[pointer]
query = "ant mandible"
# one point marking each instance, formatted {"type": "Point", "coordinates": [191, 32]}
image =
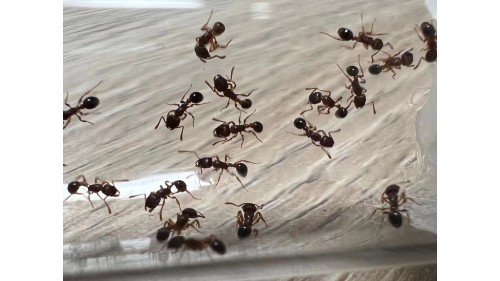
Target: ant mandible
{"type": "Point", "coordinates": [391, 197]}
{"type": "Point", "coordinates": [248, 218]}
{"type": "Point", "coordinates": [89, 103]}
{"type": "Point", "coordinates": [226, 86]}
{"type": "Point", "coordinates": [363, 37]}
{"type": "Point", "coordinates": [357, 91]}
{"type": "Point", "coordinates": [174, 117]}
{"type": "Point", "coordinates": [197, 245]}
{"type": "Point", "coordinates": [429, 37]}
{"type": "Point", "coordinates": [391, 62]}
{"type": "Point", "coordinates": [315, 135]}
{"type": "Point", "coordinates": [209, 38]}
{"type": "Point", "coordinates": [227, 128]}
{"type": "Point", "coordinates": [316, 97]}
{"type": "Point", "coordinates": [106, 188]}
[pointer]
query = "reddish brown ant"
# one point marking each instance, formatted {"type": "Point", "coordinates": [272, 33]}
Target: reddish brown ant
{"type": "Point", "coordinates": [182, 222]}
{"type": "Point", "coordinates": [88, 103]}
{"type": "Point", "coordinates": [174, 117]}
{"type": "Point", "coordinates": [391, 62]}
{"type": "Point", "coordinates": [226, 87]}
{"type": "Point", "coordinates": [248, 218]}
{"type": "Point", "coordinates": [315, 135]}
{"type": "Point", "coordinates": [106, 188]}
{"type": "Point", "coordinates": [357, 91]}
{"type": "Point", "coordinates": [363, 37]}
{"type": "Point", "coordinates": [197, 245]}
{"type": "Point", "coordinates": [75, 185]}
{"type": "Point", "coordinates": [391, 197]}
{"type": "Point", "coordinates": [227, 128]}
{"type": "Point", "coordinates": [328, 103]}
{"type": "Point", "coordinates": [164, 232]}
{"type": "Point", "coordinates": [209, 38]}
{"type": "Point", "coordinates": [429, 37]}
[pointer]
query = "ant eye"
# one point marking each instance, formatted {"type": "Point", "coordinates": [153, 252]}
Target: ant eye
{"type": "Point", "coordinates": [299, 123]}
{"type": "Point", "coordinates": [218, 28]}
{"type": "Point", "coordinates": [427, 29]}
{"type": "Point", "coordinates": [377, 44]}
{"type": "Point", "coordinates": [315, 98]}
{"type": "Point", "coordinates": [352, 70]}
{"type": "Point", "coordinates": [375, 69]}
{"type": "Point", "coordinates": [90, 102]}
{"type": "Point", "coordinates": [242, 169]}
{"type": "Point", "coordinates": [407, 58]}
{"type": "Point", "coordinates": [258, 127]}
{"type": "Point", "coordinates": [196, 97]}
{"type": "Point", "coordinates": [345, 34]}
{"type": "Point", "coordinates": [246, 103]}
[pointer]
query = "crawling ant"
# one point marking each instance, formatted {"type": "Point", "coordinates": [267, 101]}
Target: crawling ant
{"type": "Point", "coordinates": [391, 197]}
{"type": "Point", "coordinates": [227, 128]}
{"type": "Point", "coordinates": [357, 91]}
{"type": "Point", "coordinates": [75, 185]}
{"type": "Point", "coordinates": [197, 245]}
{"type": "Point", "coordinates": [429, 36]}
{"type": "Point", "coordinates": [248, 218]}
{"type": "Point", "coordinates": [202, 163]}
{"type": "Point", "coordinates": [391, 62]}
{"type": "Point", "coordinates": [164, 232]}
{"type": "Point", "coordinates": [209, 38]}
{"type": "Point", "coordinates": [226, 86]}
{"type": "Point", "coordinates": [106, 188]}
{"type": "Point", "coordinates": [315, 135]}
{"type": "Point", "coordinates": [174, 117]}
{"type": "Point", "coordinates": [328, 103]}
{"type": "Point", "coordinates": [363, 37]}
{"type": "Point", "coordinates": [88, 103]}
{"type": "Point", "coordinates": [154, 198]}
{"type": "Point", "coordinates": [182, 222]}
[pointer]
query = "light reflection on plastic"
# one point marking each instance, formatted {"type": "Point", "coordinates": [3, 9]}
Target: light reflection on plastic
{"type": "Point", "coordinates": [148, 4]}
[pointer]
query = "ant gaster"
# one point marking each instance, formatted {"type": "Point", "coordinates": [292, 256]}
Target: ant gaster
{"type": "Point", "coordinates": [315, 135]}
{"type": "Point", "coordinates": [363, 37]}
{"type": "Point", "coordinates": [197, 245]}
{"type": "Point", "coordinates": [391, 197]}
{"type": "Point", "coordinates": [391, 62]}
{"type": "Point", "coordinates": [226, 87]}
{"type": "Point", "coordinates": [227, 128]}
{"type": "Point", "coordinates": [174, 117]}
{"type": "Point", "coordinates": [248, 218]}
{"type": "Point", "coordinates": [429, 37]}
{"type": "Point", "coordinates": [89, 103]}
{"type": "Point", "coordinates": [357, 91]}
{"type": "Point", "coordinates": [75, 185]}
{"type": "Point", "coordinates": [209, 38]}
{"type": "Point", "coordinates": [328, 103]}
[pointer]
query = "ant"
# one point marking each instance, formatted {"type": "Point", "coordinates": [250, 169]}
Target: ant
{"type": "Point", "coordinates": [182, 222]}
{"type": "Point", "coordinates": [391, 197]}
{"type": "Point", "coordinates": [248, 218]}
{"type": "Point", "coordinates": [357, 91]}
{"type": "Point", "coordinates": [209, 38]}
{"type": "Point", "coordinates": [174, 117]}
{"type": "Point", "coordinates": [227, 128]}
{"type": "Point", "coordinates": [328, 103]}
{"type": "Point", "coordinates": [88, 103]}
{"type": "Point", "coordinates": [226, 86]}
{"type": "Point", "coordinates": [75, 185]}
{"type": "Point", "coordinates": [202, 163]}
{"type": "Point", "coordinates": [406, 59]}
{"type": "Point", "coordinates": [315, 135]}
{"type": "Point", "coordinates": [154, 198]}
{"type": "Point", "coordinates": [164, 232]}
{"type": "Point", "coordinates": [106, 188]}
{"type": "Point", "coordinates": [363, 37]}
{"type": "Point", "coordinates": [429, 36]}
{"type": "Point", "coordinates": [197, 245]}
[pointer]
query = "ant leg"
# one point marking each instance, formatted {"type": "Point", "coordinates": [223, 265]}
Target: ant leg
{"type": "Point", "coordinates": [161, 210]}
{"type": "Point", "coordinates": [228, 101]}
{"type": "Point", "coordinates": [240, 180]}
{"type": "Point", "coordinates": [258, 217]}
{"type": "Point", "coordinates": [328, 154]}
{"type": "Point", "coordinates": [256, 136]}
{"type": "Point", "coordinates": [354, 46]}
{"type": "Point", "coordinates": [375, 55]}
{"type": "Point", "coordinates": [255, 232]}
{"type": "Point", "coordinates": [246, 161]}
{"type": "Point", "coordinates": [164, 120]}
{"type": "Point", "coordinates": [230, 203]}
{"type": "Point", "coordinates": [309, 109]}
{"type": "Point", "coordinates": [336, 38]}
{"type": "Point", "coordinates": [407, 214]}
{"type": "Point", "coordinates": [219, 120]}
{"type": "Point", "coordinates": [394, 73]}
{"type": "Point", "coordinates": [418, 33]}
{"type": "Point", "coordinates": [373, 105]}
{"type": "Point", "coordinates": [418, 63]}
{"type": "Point", "coordinates": [242, 139]}
{"type": "Point", "coordinates": [67, 122]}
{"type": "Point", "coordinates": [83, 120]}
{"type": "Point", "coordinates": [202, 60]}
{"type": "Point", "coordinates": [187, 191]}
{"type": "Point", "coordinates": [177, 201]}
{"type": "Point", "coordinates": [245, 120]}
{"type": "Point", "coordinates": [345, 75]}
{"type": "Point", "coordinates": [216, 56]}
{"type": "Point", "coordinates": [336, 131]}
{"type": "Point", "coordinates": [204, 27]}
{"type": "Point", "coordinates": [220, 95]}
{"type": "Point", "coordinates": [107, 205]}
{"type": "Point", "coordinates": [381, 209]}
{"type": "Point", "coordinates": [224, 46]}
{"type": "Point", "coordinates": [132, 196]}
{"type": "Point", "coordinates": [186, 92]}
{"type": "Point", "coordinates": [222, 171]}
{"type": "Point", "coordinates": [404, 199]}
{"type": "Point", "coordinates": [224, 140]}
{"type": "Point", "coordinates": [359, 63]}
{"type": "Point", "coordinates": [88, 92]}
{"type": "Point", "coordinates": [246, 95]}
{"type": "Point", "coordinates": [84, 180]}
{"type": "Point", "coordinates": [182, 130]}
{"type": "Point", "coordinates": [191, 116]}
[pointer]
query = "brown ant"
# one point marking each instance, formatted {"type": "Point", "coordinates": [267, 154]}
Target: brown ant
{"type": "Point", "coordinates": [328, 103]}
{"type": "Point", "coordinates": [226, 87]}
{"type": "Point", "coordinates": [363, 37]}
{"type": "Point", "coordinates": [391, 62]}
{"type": "Point", "coordinates": [154, 198]}
{"type": "Point", "coordinates": [164, 232]}
{"type": "Point", "coordinates": [315, 135]}
{"type": "Point", "coordinates": [357, 91]}
{"type": "Point", "coordinates": [174, 117]}
{"type": "Point", "coordinates": [88, 103]}
{"type": "Point", "coordinates": [391, 197]}
{"type": "Point", "coordinates": [248, 218]}
{"type": "Point", "coordinates": [197, 245]}
{"type": "Point", "coordinates": [227, 128]}
{"type": "Point", "coordinates": [106, 188]}
{"type": "Point", "coordinates": [202, 163]}
{"type": "Point", "coordinates": [429, 37]}
{"type": "Point", "coordinates": [182, 222]}
{"type": "Point", "coordinates": [75, 185]}
{"type": "Point", "coordinates": [209, 38]}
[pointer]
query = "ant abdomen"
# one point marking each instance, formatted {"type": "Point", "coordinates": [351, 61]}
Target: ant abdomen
{"type": "Point", "coordinates": [431, 55]}
{"type": "Point", "coordinates": [244, 231]}
{"type": "Point", "coordinates": [162, 234]}
{"type": "Point", "coordinates": [218, 246]}
{"type": "Point", "coordinates": [345, 34]}
{"type": "Point", "coordinates": [315, 98]}
{"type": "Point", "coordinates": [407, 58]}
{"type": "Point", "coordinates": [352, 70]}
{"type": "Point", "coordinates": [73, 187]}
{"type": "Point", "coordinates": [396, 219]}
{"type": "Point", "coordinates": [176, 242]}
{"type": "Point", "coordinates": [196, 97]}
{"type": "Point", "coordinates": [90, 102]}
{"type": "Point", "coordinates": [246, 103]}
{"type": "Point", "coordinates": [258, 127]}
{"type": "Point", "coordinates": [341, 112]}
{"type": "Point", "coordinates": [299, 123]}
{"type": "Point", "coordinates": [375, 69]}
{"type": "Point", "coordinates": [201, 51]}
{"type": "Point", "coordinates": [205, 162]}
{"type": "Point", "coordinates": [377, 44]}
{"type": "Point", "coordinates": [222, 131]}
{"type": "Point", "coordinates": [242, 169]}
{"type": "Point", "coordinates": [180, 185]}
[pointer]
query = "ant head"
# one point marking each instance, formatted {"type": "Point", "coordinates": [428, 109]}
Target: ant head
{"type": "Point", "coordinates": [407, 58]}
{"type": "Point", "coordinates": [345, 34]}
{"type": "Point", "coordinates": [205, 162]}
{"type": "Point", "coordinates": [359, 101]}
{"type": "Point", "coordinates": [196, 97]}
{"type": "Point", "coordinates": [427, 29]}
{"type": "Point", "coordinates": [258, 127]}
{"type": "Point", "coordinates": [244, 231]}
{"type": "Point", "coordinates": [299, 123]}
{"type": "Point", "coordinates": [395, 219]}
{"type": "Point", "coordinates": [180, 185]}
{"type": "Point", "coordinates": [90, 102]}
{"type": "Point", "coordinates": [249, 208]}
{"type": "Point", "coordinates": [341, 112]}
{"type": "Point", "coordinates": [162, 234]}
{"type": "Point", "coordinates": [73, 187]}
{"type": "Point", "coordinates": [201, 51]}
{"type": "Point", "coordinates": [222, 131]}
{"type": "Point", "coordinates": [377, 44]}
{"type": "Point", "coordinates": [192, 213]}
{"type": "Point", "coordinates": [246, 103]}
{"type": "Point", "coordinates": [242, 169]}
{"type": "Point", "coordinates": [352, 70]}
{"type": "Point", "coordinates": [375, 69]}
{"type": "Point", "coordinates": [218, 246]}
{"type": "Point", "coordinates": [315, 97]}
{"type": "Point", "coordinates": [218, 28]}
{"type": "Point", "coordinates": [393, 188]}
{"type": "Point", "coordinates": [220, 83]}
{"type": "Point", "coordinates": [109, 190]}
{"type": "Point", "coordinates": [431, 55]}
{"type": "Point", "coordinates": [326, 141]}
{"type": "Point", "coordinates": [176, 242]}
